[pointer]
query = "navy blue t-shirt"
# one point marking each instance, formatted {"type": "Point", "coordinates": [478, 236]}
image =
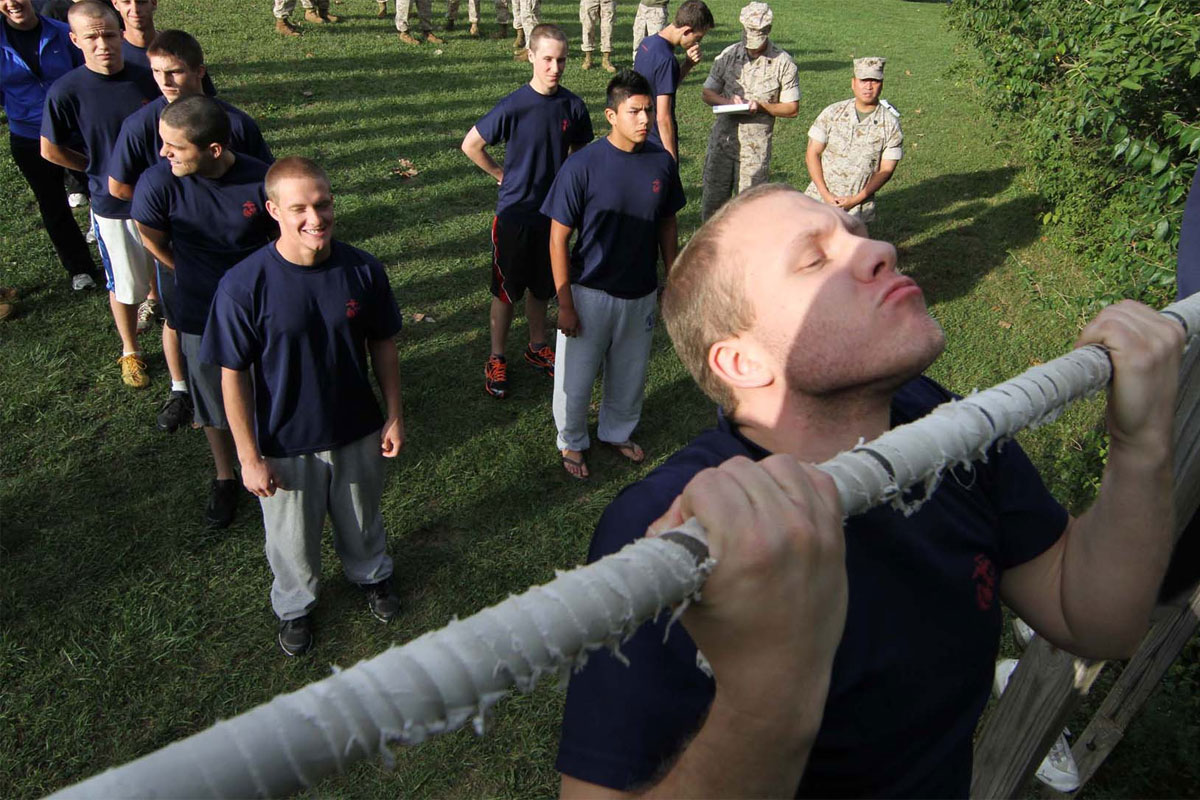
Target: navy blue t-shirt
{"type": "Point", "coordinates": [913, 671]}
{"type": "Point", "coordinates": [539, 130]}
{"type": "Point", "coordinates": [88, 105]}
{"type": "Point", "coordinates": [138, 146]}
{"type": "Point", "coordinates": [303, 332]}
{"type": "Point", "coordinates": [1188, 275]}
{"type": "Point", "coordinates": [213, 224]}
{"type": "Point", "coordinates": [137, 55]}
{"type": "Point", "coordinates": [616, 199]}
{"type": "Point", "coordinates": [655, 61]}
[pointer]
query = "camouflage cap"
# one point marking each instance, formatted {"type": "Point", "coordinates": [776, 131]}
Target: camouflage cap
{"type": "Point", "coordinates": [869, 68]}
{"type": "Point", "coordinates": [756, 19]}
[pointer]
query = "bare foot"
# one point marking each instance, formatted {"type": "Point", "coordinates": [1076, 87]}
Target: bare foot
{"type": "Point", "coordinates": [573, 463]}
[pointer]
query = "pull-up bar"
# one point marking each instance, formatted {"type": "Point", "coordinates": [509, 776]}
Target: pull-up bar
{"type": "Point", "coordinates": [443, 679]}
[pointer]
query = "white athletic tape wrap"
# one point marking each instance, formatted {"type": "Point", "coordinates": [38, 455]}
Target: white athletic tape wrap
{"type": "Point", "coordinates": [445, 678]}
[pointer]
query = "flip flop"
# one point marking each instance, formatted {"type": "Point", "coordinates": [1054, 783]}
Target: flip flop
{"type": "Point", "coordinates": [579, 464]}
{"type": "Point", "coordinates": [630, 450]}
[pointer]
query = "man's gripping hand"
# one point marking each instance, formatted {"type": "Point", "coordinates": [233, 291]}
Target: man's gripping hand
{"type": "Point", "coordinates": [1145, 349]}
{"type": "Point", "coordinates": [391, 437]}
{"type": "Point", "coordinates": [774, 607]}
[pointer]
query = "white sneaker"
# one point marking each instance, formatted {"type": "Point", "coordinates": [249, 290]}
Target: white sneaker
{"type": "Point", "coordinates": [90, 236]}
{"type": "Point", "coordinates": [77, 199]}
{"type": "Point", "coordinates": [1058, 769]}
{"type": "Point", "coordinates": [82, 281]}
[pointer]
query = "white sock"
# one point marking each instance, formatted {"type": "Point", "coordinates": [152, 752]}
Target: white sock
{"type": "Point", "coordinates": [137, 353]}
{"type": "Point", "coordinates": [178, 386]}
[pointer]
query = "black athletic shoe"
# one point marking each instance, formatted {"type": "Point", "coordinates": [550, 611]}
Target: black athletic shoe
{"type": "Point", "coordinates": [222, 503]}
{"type": "Point", "coordinates": [296, 636]}
{"type": "Point", "coordinates": [541, 359]}
{"type": "Point", "coordinates": [495, 376]}
{"type": "Point", "coordinates": [175, 412]}
{"type": "Point", "coordinates": [381, 600]}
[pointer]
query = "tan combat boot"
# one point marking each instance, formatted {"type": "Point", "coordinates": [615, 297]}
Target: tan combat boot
{"type": "Point", "coordinates": [519, 42]}
{"type": "Point", "coordinates": [313, 16]}
{"type": "Point", "coordinates": [407, 38]}
{"type": "Point", "coordinates": [433, 38]}
{"type": "Point", "coordinates": [606, 63]}
{"type": "Point", "coordinates": [382, 13]}
{"type": "Point", "coordinates": [587, 60]}
{"type": "Point", "coordinates": [285, 28]}
{"type": "Point", "coordinates": [474, 32]}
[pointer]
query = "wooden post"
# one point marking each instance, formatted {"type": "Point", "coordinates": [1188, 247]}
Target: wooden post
{"type": "Point", "coordinates": [1129, 694]}
{"type": "Point", "coordinates": [1048, 684]}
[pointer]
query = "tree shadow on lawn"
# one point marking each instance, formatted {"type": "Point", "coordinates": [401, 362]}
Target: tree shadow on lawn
{"type": "Point", "coordinates": [950, 264]}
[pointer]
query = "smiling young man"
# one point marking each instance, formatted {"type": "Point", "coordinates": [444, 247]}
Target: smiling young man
{"type": "Point", "coordinates": [811, 341]}
{"type": "Point", "coordinates": [622, 194]}
{"type": "Point", "coordinates": [655, 61]}
{"type": "Point", "coordinates": [177, 63]}
{"type": "Point", "coordinates": [854, 145]}
{"type": "Point", "coordinates": [541, 124]}
{"type": "Point", "coordinates": [89, 104]}
{"type": "Point", "coordinates": [302, 315]}
{"type": "Point", "coordinates": [201, 210]}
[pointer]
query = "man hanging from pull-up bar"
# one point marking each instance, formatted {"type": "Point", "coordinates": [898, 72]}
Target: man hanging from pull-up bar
{"type": "Point", "coordinates": [851, 661]}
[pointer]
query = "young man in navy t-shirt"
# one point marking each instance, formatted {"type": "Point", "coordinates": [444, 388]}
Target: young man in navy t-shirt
{"type": "Point", "coordinates": [200, 211]}
{"type": "Point", "coordinates": [803, 670]}
{"type": "Point", "coordinates": [622, 194]}
{"type": "Point", "coordinates": [541, 123]}
{"type": "Point", "coordinates": [90, 103]}
{"type": "Point", "coordinates": [301, 316]}
{"type": "Point", "coordinates": [655, 61]}
{"type": "Point", "coordinates": [177, 62]}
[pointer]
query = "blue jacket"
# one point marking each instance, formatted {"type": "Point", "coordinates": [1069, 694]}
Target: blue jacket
{"type": "Point", "coordinates": [23, 93]}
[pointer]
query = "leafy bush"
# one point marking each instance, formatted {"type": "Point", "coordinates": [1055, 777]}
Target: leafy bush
{"type": "Point", "coordinates": [1108, 92]}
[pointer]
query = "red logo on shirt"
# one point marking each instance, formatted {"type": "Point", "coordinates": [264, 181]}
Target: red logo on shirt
{"type": "Point", "coordinates": [351, 309]}
{"type": "Point", "coordinates": [985, 582]}
{"type": "Point", "coordinates": [656, 186]}
{"type": "Point", "coordinates": [565, 125]}
{"type": "Point", "coordinates": [249, 209]}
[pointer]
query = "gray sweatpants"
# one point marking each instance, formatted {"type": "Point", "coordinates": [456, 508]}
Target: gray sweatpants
{"type": "Point", "coordinates": [617, 334]}
{"type": "Point", "coordinates": [346, 484]}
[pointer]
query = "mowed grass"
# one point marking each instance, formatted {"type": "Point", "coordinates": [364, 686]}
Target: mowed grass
{"type": "Point", "coordinates": [125, 625]}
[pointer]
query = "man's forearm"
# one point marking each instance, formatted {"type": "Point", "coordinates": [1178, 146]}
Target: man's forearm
{"type": "Point", "coordinates": [668, 241]}
{"type": "Point", "coordinates": [482, 159]}
{"type": "Point", "coordinates": [239, 411]}
{"type": "Point", "coordinates": [158, 243]}
{"type": "Point", "coordinates": [784, 110]}
{"type": "Point", "coordinates": [874, 184]}
{"type": "Point", "coordinates": [816, 171]}
{"type": "Point", "coordinates": [746, 755]}
{"type": "Point", "coordinates": [560, 263]}
{"type": "Point", "coordinates": [386, 363]}
{"type": "Point", "coordinates": [1116, 553]}
{"type": "Point", "coordinates": [121, 191]}
{"type": "Point", "coordinates": [63, 156]}
{"type": "Point", "coordinates": [666, 132]}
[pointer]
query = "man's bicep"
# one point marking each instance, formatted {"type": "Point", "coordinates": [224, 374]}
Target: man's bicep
{"type": "Point", "coordinates": [1033, 590]}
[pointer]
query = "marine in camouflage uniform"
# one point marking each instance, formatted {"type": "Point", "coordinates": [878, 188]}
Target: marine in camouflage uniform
{"type": "Point", "coordinates": [473, 14]}
{"type": "Point", "coordinates": [752, 71]}
{"type": "Point", "coordinates": [854, 145]}
{"type": "Point", "coordinates": [424, 16]}
{"type": "Point", "coordinates": [526, 15]}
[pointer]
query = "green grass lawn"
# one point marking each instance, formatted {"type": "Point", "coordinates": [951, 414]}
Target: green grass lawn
{"type": "Point", "coordinates": [125, 625]}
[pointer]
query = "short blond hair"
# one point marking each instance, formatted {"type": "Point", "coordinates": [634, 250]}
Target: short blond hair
{"type": "Point", "coordinates": [93, 9]}
{"type": "Point", "coordinates": [546, 30]}
{"type": "Point", "coordinates": [292, 167]}
{"type": "Point", "coordinates": [705, 299]}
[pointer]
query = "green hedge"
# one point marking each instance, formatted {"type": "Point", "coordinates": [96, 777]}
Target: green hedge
{"type": "Point", "coordinates": [1108, 94]}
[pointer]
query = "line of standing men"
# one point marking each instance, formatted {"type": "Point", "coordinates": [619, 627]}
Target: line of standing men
{"type": "Point", "coordinates": [254, 284]}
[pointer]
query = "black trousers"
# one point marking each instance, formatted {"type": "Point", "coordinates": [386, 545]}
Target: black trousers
{"type": "Point", "coordinates": [46, 181]}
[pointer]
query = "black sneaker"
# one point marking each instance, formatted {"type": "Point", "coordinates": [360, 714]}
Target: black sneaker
{"type": "Point", "coordinates": [495, 376]}
{"type": "Point", "coordinates": [296, 636]}
{"type": "Point", "coordinates": [381, 600]}
{"type": "Point", "coordinates": [222, 503]}
{"type": "Point", "coordinates": [175, 412]}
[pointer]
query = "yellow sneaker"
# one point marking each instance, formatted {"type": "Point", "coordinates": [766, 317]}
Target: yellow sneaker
{"type": "Point", "coordinates": [133, 371]}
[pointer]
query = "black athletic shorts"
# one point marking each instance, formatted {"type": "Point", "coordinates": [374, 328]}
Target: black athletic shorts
{"type": "Point", "coordinates": [521, 259]}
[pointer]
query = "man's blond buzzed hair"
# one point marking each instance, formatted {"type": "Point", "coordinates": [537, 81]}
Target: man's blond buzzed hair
{"type": "Point", "coordinates": [292, 167]}
{"type": "Point", "coordinates": [93, 9]}
{"type": "Point", "coordinates": [705, 299]}
{"type": "Point", "coordinates": [546, 31]}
